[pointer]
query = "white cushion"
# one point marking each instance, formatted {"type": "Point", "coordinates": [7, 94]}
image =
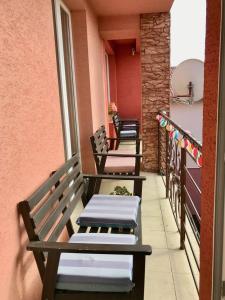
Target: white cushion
{"type": "Point", "coordinates": [128, 133]}
{"type": "Point", "coordinates": [96, 272]}
{"type": "Point", "coordinates": [116, 164]}
{"type": "Point", "coordinates": [110, 211]}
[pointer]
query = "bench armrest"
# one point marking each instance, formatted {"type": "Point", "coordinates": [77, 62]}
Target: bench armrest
{"type": "Point", "coordinates": [118, 155]}
{"type": "Point", "coordinates": [63, 247]}
{"type": "Point", "coordinates": [128, 128]}
{"type": "Point", "coordinates": [125, 139]}
{"type": "Point", "coordinates": [129, 121]}
{"type": "Point", "coordinates": [115, 177]}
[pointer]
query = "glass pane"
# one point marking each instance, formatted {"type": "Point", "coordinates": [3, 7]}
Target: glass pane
{"type": "Point", "coordinates": [69, 79]}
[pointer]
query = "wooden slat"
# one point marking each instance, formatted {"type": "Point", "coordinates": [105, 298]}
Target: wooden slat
{"type": "Point", "coordinates": [59, 209]}
{"type": "Point", "coordinates": [43, 210]}
{"type": "Point", "coordinates": [115, 230]}
{"type": "Point", "coordinates": [104, 229]}
{"type": "Point", "coordinates": [60, 226]}
{"type": "Point", "coordinates": [125, 231]}
{"type": "Point", "coordinates": [82, 229]}
{"type": "Point", "coordinates": [71, 295]}
{"type": "Point", "coordinates": [94, 229]}
{"type": "Point", "coordinates": [47, 185]}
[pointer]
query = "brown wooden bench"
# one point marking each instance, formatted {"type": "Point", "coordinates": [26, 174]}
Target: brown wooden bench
{"type": "Point", "coordinates": [48, 212]}
{"type": "Point", "coordinates": [122, 163]}
{"type": "Point", "coordinates": [127, 129]}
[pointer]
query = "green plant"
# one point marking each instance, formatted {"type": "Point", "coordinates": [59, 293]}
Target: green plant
{"type": "Point", "coordinates": [119, 190]}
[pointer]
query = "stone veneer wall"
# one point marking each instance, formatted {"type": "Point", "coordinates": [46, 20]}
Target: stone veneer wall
{"type": "Point", "coordinates": [155, 68]}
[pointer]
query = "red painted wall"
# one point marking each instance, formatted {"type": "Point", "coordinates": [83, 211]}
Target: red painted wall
{"type": "Point", "coordinates": [112, 78]}
{"type": "Point", "coordinates": [128, 74]}
{"type": "Point", "coordinates": [209, 144]}
{"type": "Point", "coordinates": [30, 132]}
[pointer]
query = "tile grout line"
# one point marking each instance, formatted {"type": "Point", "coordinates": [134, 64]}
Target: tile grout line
{"type": "Point", "coordinates": [175, 292]}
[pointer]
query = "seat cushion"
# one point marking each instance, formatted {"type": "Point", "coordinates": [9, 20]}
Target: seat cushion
{"type": "Point", "coordinates": [110, 211]}
{"type": "Point", "coordinates": [122, 151]}
{"type": "Point", "coordinates": [128, 133]}
{"type": "Point", "coordinates": [96, 272]}
{"type": "Point", "coordinates": [120, 164]}
{"type": "Point", "coordinates": [129, 124]}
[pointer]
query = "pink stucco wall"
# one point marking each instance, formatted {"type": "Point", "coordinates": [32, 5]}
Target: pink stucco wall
{"type": "Point", "coordinates": [30, 131]}
{"type": "Point", "coordinates": [128, 74]}
{"type": "Point", "coordinates": [89, 54]}
{"type": "Point", "coordinates": [83, 86]}
{"type": "Point", "coordinates": [96, 56]}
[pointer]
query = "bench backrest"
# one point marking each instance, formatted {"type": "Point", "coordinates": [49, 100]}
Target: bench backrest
{"type": "Point", "coordinates": [99, 145]}
{"type": "Point", "coordinates": [116, 123]}
{"type": "Point", "coordinates": [48, 210]}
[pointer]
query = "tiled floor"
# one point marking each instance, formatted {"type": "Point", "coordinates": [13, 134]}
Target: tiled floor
{"type": "Point", "coordinates": [168, 276]}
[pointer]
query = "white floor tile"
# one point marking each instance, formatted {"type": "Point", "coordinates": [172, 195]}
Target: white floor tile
{"type": "Point", "coordinates": [159, 261]}
{"type": "Point", "coordinates": [184, 287]}
{"type": "Point", "coordinates": [159, 286]}
{"type": "Point", "coordinates": [157, 239]}
{"type": "Point", "coordinates": [168, 276]}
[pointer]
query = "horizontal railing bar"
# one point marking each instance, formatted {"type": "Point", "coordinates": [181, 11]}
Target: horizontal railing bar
{"type": "Point", "coordinates": [192, 250]}
{"type": "Point", "coordinates": [191, 224]}
{"type": "Point", "coordinates": [174, 214]}
{"type": "Point", "coordinates": [191, 156]}
{"type": "Point", "coordinates": [183, 132]}
{"type": "Point", "coordinates": [192, 203]}
{"type": "Point", "coordinates": [192, 179]}
{"type": "Point", "coordinates": [192, 272]}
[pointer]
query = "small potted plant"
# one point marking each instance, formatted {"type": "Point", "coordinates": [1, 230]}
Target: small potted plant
{"type": "Point", "coordinates": [112, 109]}
{"type": "Point", "coordinates": [121, 190]}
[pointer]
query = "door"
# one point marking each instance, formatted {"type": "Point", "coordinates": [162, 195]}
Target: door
{"type": "Point", "coordinates": [66, 78]}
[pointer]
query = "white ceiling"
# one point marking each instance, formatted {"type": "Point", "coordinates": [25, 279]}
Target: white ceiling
{"type": "Point", "coordinates": [122, 7]}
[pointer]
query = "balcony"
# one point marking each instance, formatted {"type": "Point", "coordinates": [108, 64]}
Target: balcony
{"type": "Point", "coordinates": [172, 272]}
{"type": "Point", "coordinates": [171, 214]}
{"type": "Point", "coordinates": [38, 131]}
{"type": "Point", "coordinates": [168, 275]}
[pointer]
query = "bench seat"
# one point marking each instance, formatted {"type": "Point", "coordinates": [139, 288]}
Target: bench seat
{"type": "Point", "coordinates": [89, 266]}
{"type": "Point", "coordinates": [120, 164]}
{"type": "Point", "coordinates": [128, 133]}
{"type": "Point", "coordinates": [110, 211]}
{"type": "Point", "coordinates": [123, 162]}
{"type": "Point", "coordinates": [96, 272]}
{"type": "Point", "coordinates": [123, 151]}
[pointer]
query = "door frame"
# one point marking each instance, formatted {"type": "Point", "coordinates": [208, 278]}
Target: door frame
{"type": "Point", "coordinates": [219, 208]}
{"type": "Point", "coordinates": [56, 5]}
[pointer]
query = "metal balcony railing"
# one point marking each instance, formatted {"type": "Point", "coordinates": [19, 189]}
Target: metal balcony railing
{"type": "Point", "coordinates": [180, 161]}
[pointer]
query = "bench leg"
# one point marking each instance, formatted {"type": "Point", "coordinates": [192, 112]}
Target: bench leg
{"type": "Point", "coordinates": [49, 283]}
{"type": "Point", "coordinates": [137, 191]}
{"type": "Point", "coordinates": [139, 276]}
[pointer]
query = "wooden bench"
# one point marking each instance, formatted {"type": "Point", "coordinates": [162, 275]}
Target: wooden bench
{"type": "Point", "coordinates": [104, 157]}
{"type": "Point", "coordinates": [125, 129]}
{"type": "Point", "coordinates": [47, 213]}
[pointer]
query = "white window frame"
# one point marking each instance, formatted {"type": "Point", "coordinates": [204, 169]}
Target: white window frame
{"type": "Point", "coordinates": [58, 4]}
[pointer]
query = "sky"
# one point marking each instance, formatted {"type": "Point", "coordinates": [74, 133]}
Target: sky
{"type": "Point", "coordinates": [187, 30]}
